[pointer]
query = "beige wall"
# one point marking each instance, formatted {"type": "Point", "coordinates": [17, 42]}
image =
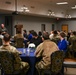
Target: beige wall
{"type": "Point", "coordinates": [32, 22]}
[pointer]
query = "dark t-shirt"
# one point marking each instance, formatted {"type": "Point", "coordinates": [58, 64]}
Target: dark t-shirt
{"type": "Point", "coordinates": [36, 41]}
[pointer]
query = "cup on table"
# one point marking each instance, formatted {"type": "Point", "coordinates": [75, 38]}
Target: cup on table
{"type": "Point", "coordinates": [24, 51]}
{"type": "Point", "coordinates": [28, 51]}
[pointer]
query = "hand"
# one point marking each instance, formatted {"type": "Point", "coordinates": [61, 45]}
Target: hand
{"type": "Point", "coordinates": [20, 52]}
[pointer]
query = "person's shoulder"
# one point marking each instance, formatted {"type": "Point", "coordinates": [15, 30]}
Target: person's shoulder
{"type": "Point", "coordinates": [40, 45]}
{"type": "Point", "coordinates": [12, 47]}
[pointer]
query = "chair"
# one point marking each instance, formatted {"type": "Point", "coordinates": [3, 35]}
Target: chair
{"type": "Point", "coordinates": [19, 43]}
{"type": "Point", "coordinates": [9, 65]}
{"type": "Point", "coordinates": [56, 64]}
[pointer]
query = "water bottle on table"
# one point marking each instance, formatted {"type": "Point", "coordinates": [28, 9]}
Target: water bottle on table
{"type": "Point", "coordinates": [24, 51]}
{"type": "Point", "coordinates": [28, 51]}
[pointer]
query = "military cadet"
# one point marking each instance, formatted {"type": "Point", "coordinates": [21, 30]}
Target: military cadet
{"type": "Point", "coordinates": [6, 46]}
{"type": "Point", "coordinates": [44, 50]}
{"type": "Point", "coordinates": [3, 29]}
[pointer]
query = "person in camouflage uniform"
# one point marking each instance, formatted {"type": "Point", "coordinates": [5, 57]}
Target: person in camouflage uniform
{"type": "Point", "coordinates": [44, 50]}
{"type": "Point", "coordinates": [3, 29]}
{"type": "Point", "coordinates": [24, 66]}
{"type": "Point", "coordinates": [72, 45]}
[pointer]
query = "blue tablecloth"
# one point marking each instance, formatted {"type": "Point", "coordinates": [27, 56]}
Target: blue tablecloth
{"type": "Point", "coordinates": [31, 59]}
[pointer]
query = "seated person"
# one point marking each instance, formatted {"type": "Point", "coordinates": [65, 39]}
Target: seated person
{"type": "Point", "coordinates": [25, 38]}
{"type": "Point", "coordinates": [44, 50]}
{"type": "Point", "coordinates": [6, 46]}
{"type": "Point", "coordinates": [25, 34]}
{"type": "Point", "coordinates": [16, 37]}
{"type": "Point", "coordinates": [72, 45]}
{"type": "Point", "coordinates": [36, 39]}
{"type": "Point", "coordinates": [62, 44]}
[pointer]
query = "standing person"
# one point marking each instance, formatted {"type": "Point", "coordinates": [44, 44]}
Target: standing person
{"type": "Point", "coordinates": [44, 50]}
{"type": "Point", "coordinates": [6, 46]}
{"type": "Point", "coordinates": [3, 29]}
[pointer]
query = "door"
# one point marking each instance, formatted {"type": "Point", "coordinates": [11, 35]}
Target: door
{"type": "Point", "coordinates": [43, 27]}
{"type": "Point", "coordinates": [53, 26]}
{"type": "Point", "coordinates": [65, 28]}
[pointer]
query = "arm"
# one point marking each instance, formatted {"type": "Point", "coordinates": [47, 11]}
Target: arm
{"type": "Point", "coordinates": [39, 50]}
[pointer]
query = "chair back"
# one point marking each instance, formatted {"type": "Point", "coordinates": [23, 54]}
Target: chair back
{"type": "Point", "coordinates": [7, 60]}
{"type": "Point", "coordinates": [57, 61]}
{"type": "Point", "coordinates": [19, 43]}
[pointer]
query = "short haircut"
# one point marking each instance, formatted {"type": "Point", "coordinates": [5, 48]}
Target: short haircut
{"type": "Point", "coordinates": [55, 32]}
{"type": "Point", "coordinates": [74, 32]}
{"type": "Point", "coordinates": [6, 37]}
{"type": "Point", "coordinates": [62, 34]}
{"type": "Point", "coordinates": [45, 36]}
{"type": "Point", "coordinates": [25, 31]}
{"type": "Point", "coordinates": [34, 33]}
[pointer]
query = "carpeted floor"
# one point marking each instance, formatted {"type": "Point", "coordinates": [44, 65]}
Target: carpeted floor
{"type": "Point", "coordinates": [70, 71]}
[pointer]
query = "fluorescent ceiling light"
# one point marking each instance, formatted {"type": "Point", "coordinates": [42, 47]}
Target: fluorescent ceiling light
{"type": "Point", "coordinates": [62, 3]}
{"type": "Point", "coordinates": [74, 7]}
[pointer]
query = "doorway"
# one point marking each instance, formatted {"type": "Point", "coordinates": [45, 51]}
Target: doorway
{"type": "Point", "coordinates": [65, 28]}
{"type": "Point", "coordinates": [43, 27]}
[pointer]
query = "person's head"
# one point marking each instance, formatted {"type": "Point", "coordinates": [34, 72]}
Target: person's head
{"type": "Point", "coordinates": [34, 34]}
{"type": "Point", "coordinates": [25, 31]}
{"type": "Point", "coordinates": [74, 33]}
{"type": "Point", "coordinates": [39, 33]}
{"type": "Point", "coordinates": [45, 37]}
{"type": "Point", "coordinates": [55, 32]}
{"type": "Point", "coordinates": [6, 37]}
{"type": "Point", "coordinates": [62, 35]}
{"type": "Point", "coordinates": [2, 25]}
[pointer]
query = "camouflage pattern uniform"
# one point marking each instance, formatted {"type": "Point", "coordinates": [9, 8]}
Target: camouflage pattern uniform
{"type": "Point", "coordinates": [72, 46]}
{"type": "Point", "coordinates": [19, 35]}
{"type": "Point", "coordinates": [44, 50]}
{"type": "Point", "coordinates": [18, 63]}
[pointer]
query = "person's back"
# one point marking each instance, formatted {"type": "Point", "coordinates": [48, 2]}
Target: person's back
{"type": "Point", "coordinates": [44, 50]}
{"type": "Point", "coordinates": [19, 35]}
{"type": "Point", "coordinates": [16, 38]}
{"type": "Point", "coordinates": [6, 46]}
{"type": "Point", "coordinates": [48, 48]}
